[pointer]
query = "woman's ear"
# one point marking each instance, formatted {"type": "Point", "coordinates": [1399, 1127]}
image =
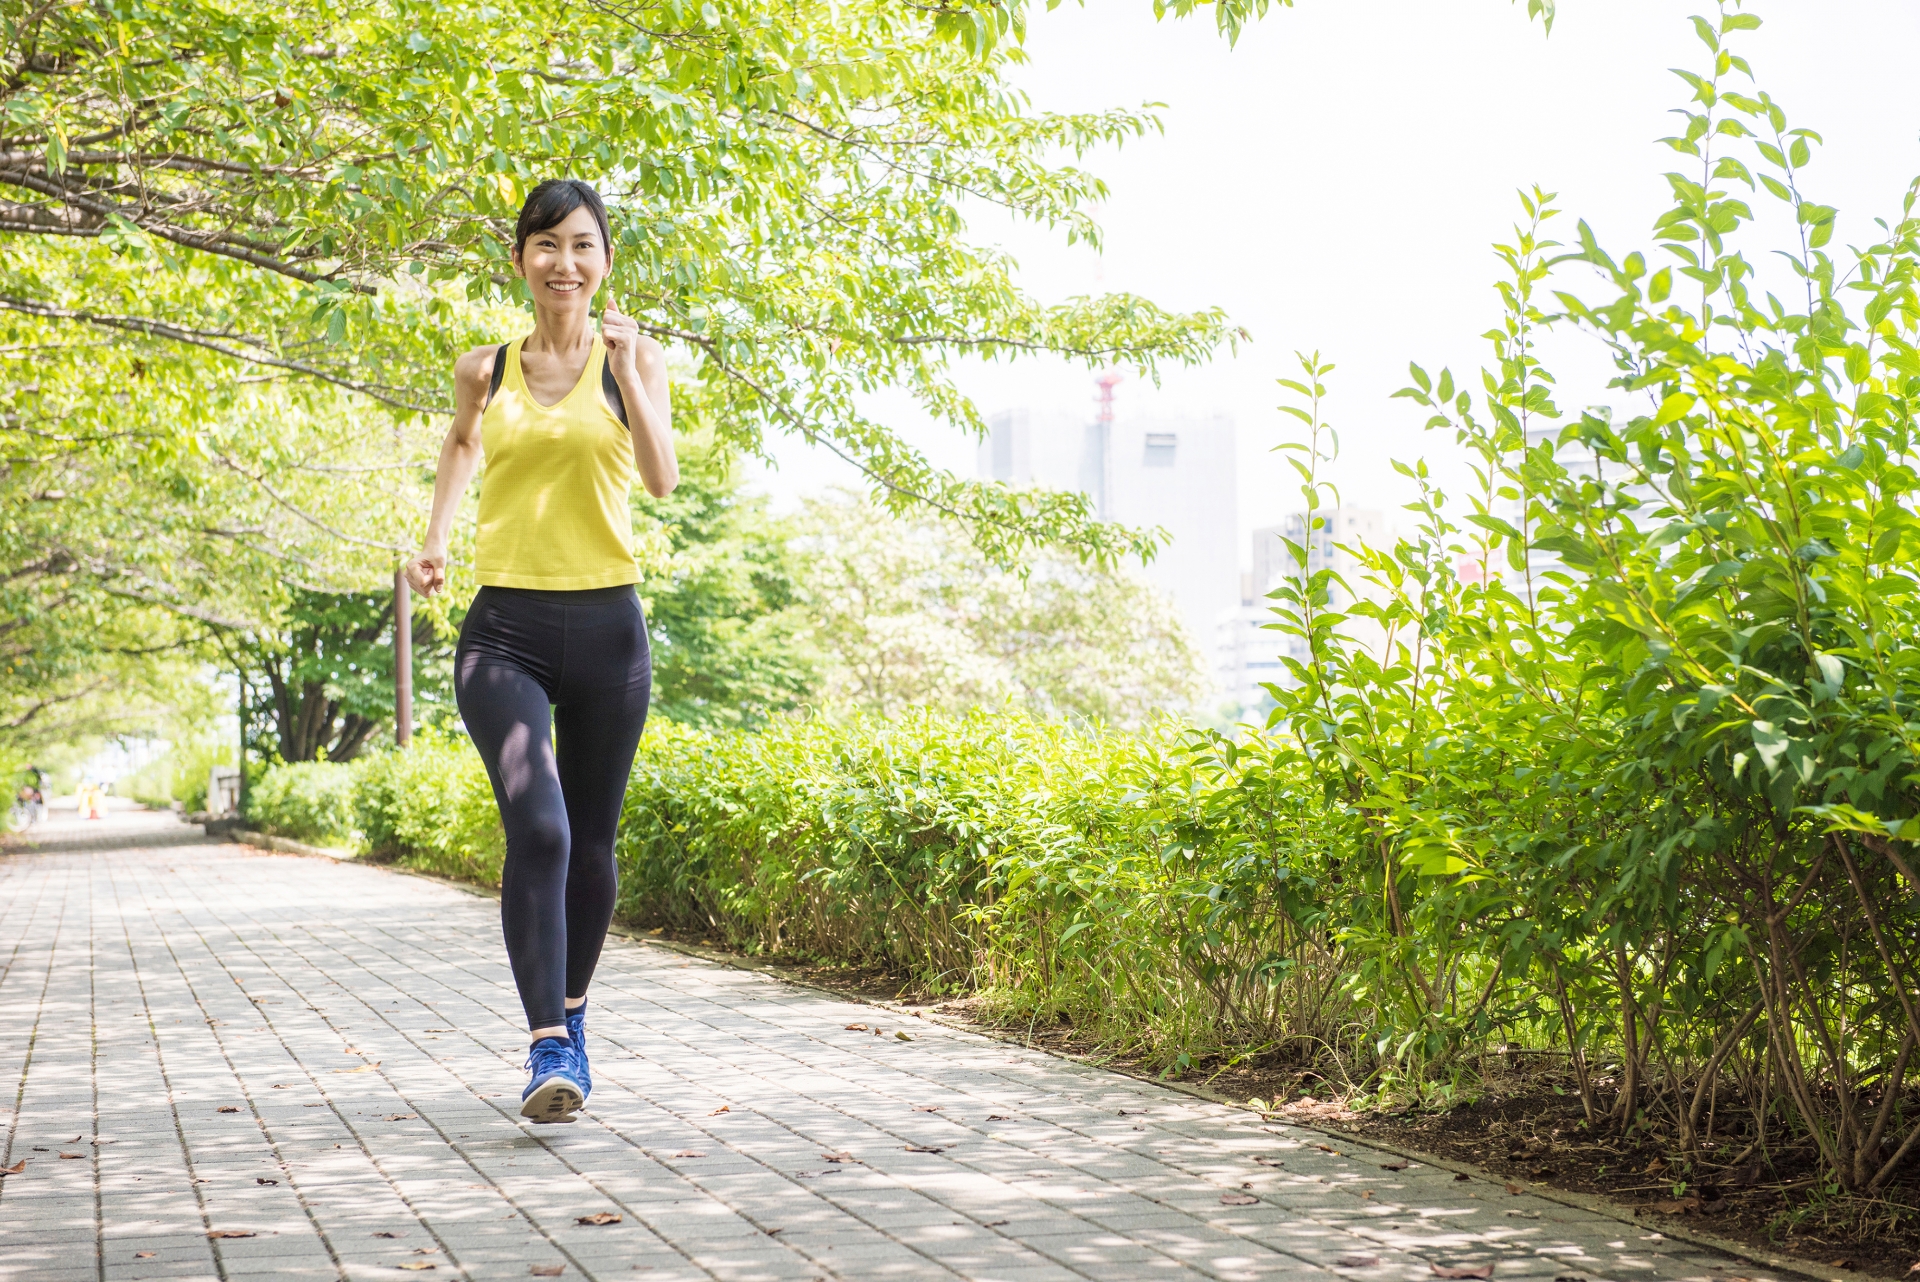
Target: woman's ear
{"type": "Point", "coordinates": [518, 270]}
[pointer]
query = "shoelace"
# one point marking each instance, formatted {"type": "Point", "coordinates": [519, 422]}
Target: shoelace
{"type": "Point", "coordinates": [550, 1056]}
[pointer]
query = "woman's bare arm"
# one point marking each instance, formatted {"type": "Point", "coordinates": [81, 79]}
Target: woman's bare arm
{"type": "Point", "coordinates": [459, 458]}
{"type": "Point", "coordinates": [640, 368]}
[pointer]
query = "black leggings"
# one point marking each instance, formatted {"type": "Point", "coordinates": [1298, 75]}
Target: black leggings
{"type": "Point", "coordinates": [586, 654]}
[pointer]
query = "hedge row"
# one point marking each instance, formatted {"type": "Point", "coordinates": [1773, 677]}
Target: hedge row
{"type": "Point", "coordinates": [1119, 879]}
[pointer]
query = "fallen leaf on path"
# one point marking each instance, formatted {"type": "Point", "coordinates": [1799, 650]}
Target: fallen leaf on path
{"type": "Point", "coordinates": [1843, 1264]}
{"type": "Point", "coordinates": [724, 1108]}
{"type": "Point", "coordinates": [1326, 1148]}
{"type": "Point", "coordinates": [1238, 1199]}
{"type": "Point", "coordinates": [143, 1255]}
{"type": "Point", "coordinates": [1459, 1178]}
{"type": "Point", "coordinates": [1677, 1206]}
{"type": "Point", "coordinates": [1132, 1112]}
{"type": "Point", "coordinates": [73, 1157]}
{"type": "Point", "coordinates": [1540, 1174]}
{"type": "Point", "coordinates": [689, 1152]}
{"type": "Point", "coordinates": [903, 1036]}
{"type": "Point", "coordinates": [384, 1233]}
{"type": "Point", "coordinates": [928, 1108]}
{"type": "Point", "coordinates": [598, 1217]}
{"type": "Point", "coordinates": [858, 1028]}
{"type": "Point", "coordinates": [364, 1068]}
{"type": "Point", "coordinates": [1356, 1261]}
{"type": "Point", "coordinates": [401, 1117]}
{"type": "Point", "coordinates": [924, 1148]}
{"type": "Point", "coordinates": [426, 1250]}
{"type": "Point", "coordinates": [836, 1157]}
{"type": "Point", "coordinates": [351, 1050]}
{"type": "Point", "coordinates": [1655, 1167]}
{"type": "Point", "coordinates": [1515, 1189]}
{"type": "Point", "coordinates": [417, 1265]}
{"type": "Point", "coordinates": [1399, 1165]}
{"type": "Point", "coordinates": [1269, 1161]}
{"type": "Point", "coordinates": [1569, 1277]}
{"type": "Point", "coordinates": [261, 1179]}
{"type": "Point", "coordinates": [771, 1232]}
{"type": "Point", "coordinates": [228, 1108]}
{"type": "Point", "coordinates": [1463, 1270]}
{"type": "Point", "coordinates": [1002, 1117]}
{"type": "Point", "coordinates": [230, 1233]}
{"type": "Point", "coordinates": [994, 1224]}
{"type": "Point", "coordinates": [547, 1270]}
{"type": "Point", "coordinates": [1525, 1215]}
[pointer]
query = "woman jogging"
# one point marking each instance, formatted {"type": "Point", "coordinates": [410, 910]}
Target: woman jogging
{"type": "Point", "coordinates": [564, 419]}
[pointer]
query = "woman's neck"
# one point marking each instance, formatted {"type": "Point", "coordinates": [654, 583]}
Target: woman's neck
{"type": "Point", "coordinates": [559, 332]}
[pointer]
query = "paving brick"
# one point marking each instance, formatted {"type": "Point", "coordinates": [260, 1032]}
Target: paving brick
{"type": "Point", "coordinates": [161, 976]}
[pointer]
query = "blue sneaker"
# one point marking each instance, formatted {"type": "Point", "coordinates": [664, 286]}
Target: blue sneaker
{"type": "Point", "coordinates": [577, 1030]}
{"type": "Point", "coordinates": [553, 1095]}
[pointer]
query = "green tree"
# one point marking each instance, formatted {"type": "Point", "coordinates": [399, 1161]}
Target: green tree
{"type": "Point", "coordinates": [911, 614]}
{"type": "Point", "coordinates": [731, 644]}
{"type": "Point", "coordinates": [324, 685]}
{"type": "Point", "coordinates": [784, 186]}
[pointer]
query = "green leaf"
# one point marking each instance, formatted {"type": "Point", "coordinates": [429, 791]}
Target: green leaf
{"type": "Point", "coordinates": [1672, 408]}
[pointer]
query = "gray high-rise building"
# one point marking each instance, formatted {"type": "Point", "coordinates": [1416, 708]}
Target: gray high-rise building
{"type": "Point", "coordinates": [1176, 472]}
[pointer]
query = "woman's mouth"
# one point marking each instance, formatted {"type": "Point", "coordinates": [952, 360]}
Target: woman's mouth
{"type": "Point", "coordinates": [563, 286]}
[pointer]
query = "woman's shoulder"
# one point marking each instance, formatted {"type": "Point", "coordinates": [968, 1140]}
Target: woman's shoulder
{"type": "Point", "coordinates": [476, 364]}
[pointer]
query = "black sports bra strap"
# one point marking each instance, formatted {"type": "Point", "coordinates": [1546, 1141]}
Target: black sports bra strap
{"type": "Point", "coordinates": [610, 388]}
{"type": "Point", "coordinates": [499, 372]}
{"type": "Point", "coordinates": [609, 385]}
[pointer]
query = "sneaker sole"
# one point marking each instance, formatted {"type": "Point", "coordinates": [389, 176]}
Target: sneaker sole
{"type": "Point", "coordinates": [552, 1100]}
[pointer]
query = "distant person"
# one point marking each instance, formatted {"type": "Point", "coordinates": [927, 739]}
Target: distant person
{"type": "Point", "coordinates": [564, 419]}
{"type": "Point", "coordinates": [36, 805]}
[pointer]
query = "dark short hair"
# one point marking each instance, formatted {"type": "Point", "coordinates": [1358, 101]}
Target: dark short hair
{"type": "Point", "coordinates": [552, 203]}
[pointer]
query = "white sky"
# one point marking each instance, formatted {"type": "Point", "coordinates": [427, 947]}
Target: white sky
{"type": "Point", "coordinates": [1335, 182]}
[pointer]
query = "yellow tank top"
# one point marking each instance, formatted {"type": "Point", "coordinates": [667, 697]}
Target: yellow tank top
{"type": "Point", "coordinates": [553, 501]}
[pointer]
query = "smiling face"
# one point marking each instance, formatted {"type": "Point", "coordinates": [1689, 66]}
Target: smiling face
{"type": "Point", "coordinates": [564, 264]}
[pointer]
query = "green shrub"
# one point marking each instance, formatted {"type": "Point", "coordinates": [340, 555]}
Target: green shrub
{"type": "Point", "coordinates": [305, 800]}
{"type": "Point", "coordinates": [179, 775]}
{"type": "Point", "coordinates": [1161, 887]}
{"type": "Point", "coordinates": [430, 806]}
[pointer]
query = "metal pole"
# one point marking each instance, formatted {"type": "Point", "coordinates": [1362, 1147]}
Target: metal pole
{"type": "Point", "coordinates": [240, 793]}
{"type": "Point", "coordinates": [402, 658]}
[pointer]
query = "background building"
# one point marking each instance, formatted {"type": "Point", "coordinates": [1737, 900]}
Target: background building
{"type": "Point", "coordinates": [1249, 655]}
{"type": "Point", "coordinates": [1175, 472]}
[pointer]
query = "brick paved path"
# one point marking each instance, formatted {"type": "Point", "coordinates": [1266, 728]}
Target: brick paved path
{"type": "Point", "coordinates": [323, 1059]}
